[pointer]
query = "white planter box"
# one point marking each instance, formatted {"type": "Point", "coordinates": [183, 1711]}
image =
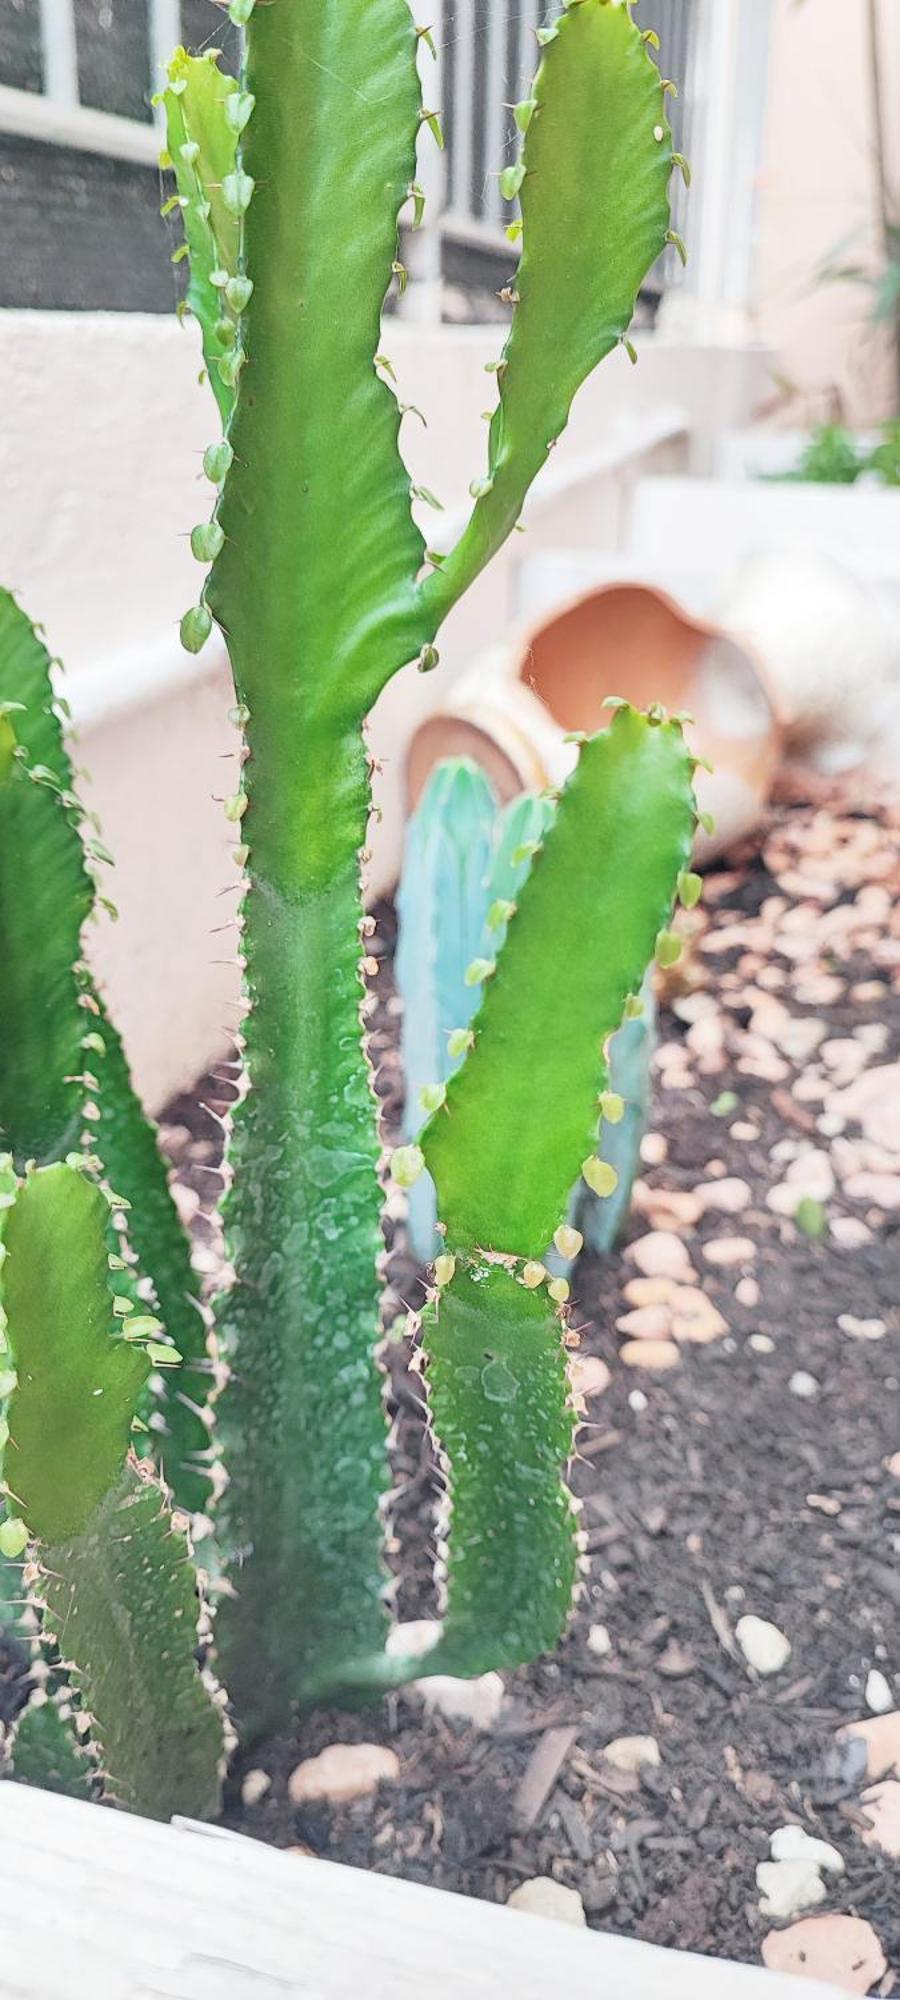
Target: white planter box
{"type": "Point", "coordinates": [98, 1906]}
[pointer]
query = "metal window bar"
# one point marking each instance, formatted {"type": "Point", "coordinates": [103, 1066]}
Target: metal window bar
{"type": "Point", "coordinates": [57, 117]}
{"type": "Point", "coordinates": [490, 55]}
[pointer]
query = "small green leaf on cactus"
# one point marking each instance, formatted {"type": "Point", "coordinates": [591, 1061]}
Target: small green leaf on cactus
{"type": "Point", "coordinates": [669, 947]}
{"type": "Point", "coordinates": [196, 626]}
{"type": "Point", "coordinates": [601, 1178]}
{"type": "Point", "coordinates": [690, 889]}
{"type": "Point", "coordinates": [13, 1538]}
{"type": "Point", "coordinates": [407, 1163]}
{"type": "Point", "coordinates": [612, 1107]}
{"type": "Point", "coordinates": [217, 460]}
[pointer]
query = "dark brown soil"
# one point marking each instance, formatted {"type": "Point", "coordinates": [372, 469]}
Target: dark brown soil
{"type": "Point", "coordinates": [709, 1491]}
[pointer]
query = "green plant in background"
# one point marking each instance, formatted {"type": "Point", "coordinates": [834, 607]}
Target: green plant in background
{"type": "Point", "coordinates": [465, 862]}
{"type": "Point", "coordinates": [835, 456]}
{"type": "Point", "coordinates": [291, 184]}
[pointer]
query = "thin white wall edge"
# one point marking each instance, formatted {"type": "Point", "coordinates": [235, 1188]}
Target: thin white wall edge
{"type": "Point", "coordinates": [101, 1906]}
{"type": "Point", "coordinates": [141, 676]}
{"type": "Point", "coordinates": [28, 115]}
{"type": "Point", "coordinates": [103, 693]}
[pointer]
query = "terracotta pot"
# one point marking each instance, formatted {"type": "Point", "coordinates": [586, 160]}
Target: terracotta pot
{"type": "Point", "coordinates": [512, 710]}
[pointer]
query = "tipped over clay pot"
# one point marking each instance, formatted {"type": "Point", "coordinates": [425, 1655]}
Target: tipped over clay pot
{"type": "Point", "coordinates": [514, 708]}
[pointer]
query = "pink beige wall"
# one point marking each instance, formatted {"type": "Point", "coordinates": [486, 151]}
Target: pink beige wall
{"type": "Point", "coordinates": [818, 188]}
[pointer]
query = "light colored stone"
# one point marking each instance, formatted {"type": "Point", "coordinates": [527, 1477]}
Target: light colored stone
{"type": "Point", "coordinates": [630, 1753]}
{"type": "Point", "coordinates": [862, 1329]}
{"type": "Point", "coordinates": [761, 1343]}
{"type": "Point", "coordinates": [849, 1231]}
{"type": "Point", "coordinates": [650, 1291]}
{"type": "Point", "coordinates": [874, 1103]}
{"type": "Point", "coordinates": [881, 1737]}
{"type": "Point", "coordinates": [786, 1887]}
{"type": "Point", "coordinates": [254, 1786]}
{"type": "Point", "coordinates": [660, 1254]}
{"type": "Point", "coordinates": [589, 1376]}
{"type": "Point", "coordinates": [881, 1806]}
{"type": "Point", "coordinates": [842, 1951]}
{"type": "Point", "coordinates": [804, 1385]}
{"type": "Point", "coordinates": [646, 1323]}
{"type": "Point", "coordinates": [879, 1693]}
{"type": "Point", "coordinates": [882, 1190]}
{"type": "Point", "coordinates": [727, 1251]}
{"type": "Point", "coordinates": [343, 1772]}
{"type": "Point", "coordinates": [666, 1208]}
{"type": "Point", "coordinates": [764, 1647]}
{"type": "Point", "coordinates": [599, 1641]}
{"type": "Point", "coordinates": [542, 1897]}
{"type": "Point", "coordinates": [477, 1702]}
{"type": "Point", "coordinates": [793, 1843]}
{"type": "Point", "coordinates": [637, 1401]}
{"type": "Point", "coordinates": [892, 1465]}
{"type": "Point", "coordinates": [746, 1292]}
{"type": "Point", "coordinates": [654, 1355]}
{"type": "Point", "coordinates": [694, 1317]}
{"type": "Point", "coordinates": [731, 1195]}
{"type": "Point", "coordinates": [812, 1172]}
{"type": "Point", "coordinates": [654, 1149]}
{"type": "Point", "coordinates": [743, 1131]}
{"type": "Point", "coordinates": [413, 1639]}
{"type": "Point", "coordinates": [801, 1037]}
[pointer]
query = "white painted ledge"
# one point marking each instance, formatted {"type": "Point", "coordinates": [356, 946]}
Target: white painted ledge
{"type": "Point", "coordinates": [97, 1906]}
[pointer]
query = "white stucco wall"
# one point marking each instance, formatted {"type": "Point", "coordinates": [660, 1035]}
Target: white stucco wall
{"type": "Point", "coordinates": [100, 483]}
{"type": "Point", "coordinates": [817, 196]}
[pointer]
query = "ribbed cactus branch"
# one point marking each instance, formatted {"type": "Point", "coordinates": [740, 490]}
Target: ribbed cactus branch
{"type": "Point", "coordinates": [117, 1587]}
{"type": "Point", "coordinates": [315, 590]}
{"type": "Point", "coordinates": [64, 1079]}
{"type": "Point", "coordinates": [607, 873]}
{"type": "Point", "coordinates": [593, 185]}
{"type": "Point", "coordinates": [520, 1119]}
{"type": "Point", "coordinates": [316, 584]}
{"type": "Point", "coordinates": [498, 1393]}
{"type": "Point", "coordinates": [203, 109]}
{"type": "Point", "coordinates": [465, 861]}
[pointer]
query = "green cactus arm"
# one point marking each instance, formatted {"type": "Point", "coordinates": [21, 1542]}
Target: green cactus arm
{"type": "Point", "coordinates": [70, 1414]}
{"type": "Point", "coordinates": [200, 101]}
{"type": "Point", "coordinates": [315, 591]}
{"type": "Point", "coordinates": [126, 1141]}
{"type": "Point", "coordinates": [116, 1583]}
{"type": "Point", "coordinates": [58, 1047]}
{"type": "Point", "coordinates": [45, 897]}
{"type": "Point", "coordinates": [499, 1398]}
{"type": "Point", "coordinates": [597, 160]}
{"type": "Point", "coordinates": [523, 1112]}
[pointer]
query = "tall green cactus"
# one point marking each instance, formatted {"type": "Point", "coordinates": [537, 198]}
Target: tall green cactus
{"type": "Point", "coordinates": [116, 1584]}
{"type": "Point", "coordinates": [321, 586]}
